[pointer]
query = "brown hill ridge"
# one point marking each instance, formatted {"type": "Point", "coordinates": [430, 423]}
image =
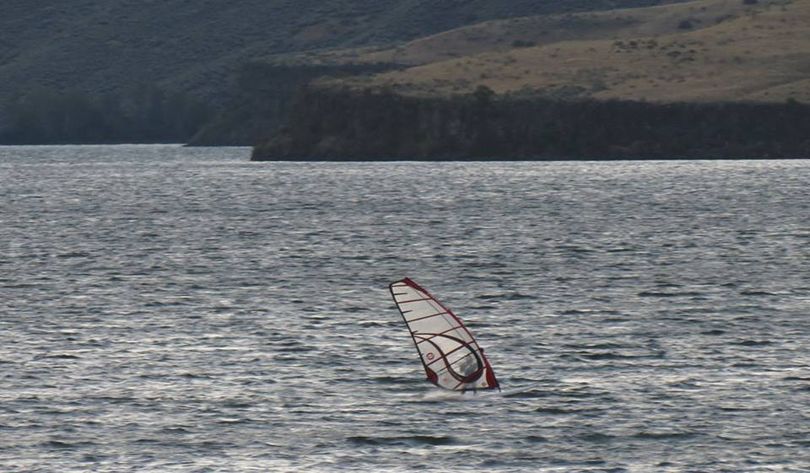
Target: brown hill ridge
{"type": "Point", "coordinates": [705, 51]}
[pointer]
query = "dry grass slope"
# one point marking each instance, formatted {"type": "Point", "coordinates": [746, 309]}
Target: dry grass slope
{"type": "Point", "coordinates": [706, 50]}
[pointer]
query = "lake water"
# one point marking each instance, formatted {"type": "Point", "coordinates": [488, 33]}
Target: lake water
{"type": "Point", "coordinates": [169, 309]}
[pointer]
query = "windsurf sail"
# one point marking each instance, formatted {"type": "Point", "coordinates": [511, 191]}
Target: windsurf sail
{"type": "Point", "coordinates": [451, 356]}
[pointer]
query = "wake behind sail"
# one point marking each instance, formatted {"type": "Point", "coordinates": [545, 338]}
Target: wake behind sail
{"type": "Point", "coordinates": [451, 356]}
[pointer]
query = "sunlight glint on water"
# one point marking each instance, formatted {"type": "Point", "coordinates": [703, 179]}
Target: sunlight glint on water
{"type": "Point", "coordinates": [175, 309]}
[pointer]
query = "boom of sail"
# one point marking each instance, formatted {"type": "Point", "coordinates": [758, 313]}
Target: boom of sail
{"type": "Point", "coordinates": [451, 356]}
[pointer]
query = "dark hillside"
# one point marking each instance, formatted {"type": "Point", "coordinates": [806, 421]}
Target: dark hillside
{"type": "Point", "coordinates": [108, 46]}
{"type": "Point", "coordinates": [264, 96]}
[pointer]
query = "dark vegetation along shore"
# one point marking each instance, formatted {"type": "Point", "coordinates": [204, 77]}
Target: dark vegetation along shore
{"type": "Point", "coordinates": [367, 125]}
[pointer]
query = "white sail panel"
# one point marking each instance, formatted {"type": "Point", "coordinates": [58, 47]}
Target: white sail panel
{"type": "Point", "coordinates": [450, 355]}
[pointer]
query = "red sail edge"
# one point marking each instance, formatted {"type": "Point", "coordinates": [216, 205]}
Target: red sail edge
{"type": "Point", "coordinates": [450, 355]}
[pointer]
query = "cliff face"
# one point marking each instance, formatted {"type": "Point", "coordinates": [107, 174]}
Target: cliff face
{"type": "Point", "coordinates": [344, 125]}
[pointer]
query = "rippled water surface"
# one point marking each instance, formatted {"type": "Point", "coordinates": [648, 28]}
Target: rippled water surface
{"type": "Point", "coordinates": [170, 309]}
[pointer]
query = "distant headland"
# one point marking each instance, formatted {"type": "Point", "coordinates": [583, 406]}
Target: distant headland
{"type": "Point", "coordinates": [710, 79]}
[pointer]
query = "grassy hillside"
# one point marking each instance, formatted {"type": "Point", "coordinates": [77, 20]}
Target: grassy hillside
{"type": "Point", "coordinates": [706, 50]}
{"type": "Point", "coordinates": [103, 45]}
{"type": "Point", "coordinates": [103, 52]}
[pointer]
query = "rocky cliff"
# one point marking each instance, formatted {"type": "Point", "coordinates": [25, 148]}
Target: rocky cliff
{"type": "Point", "coordinates": [330, 124]}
